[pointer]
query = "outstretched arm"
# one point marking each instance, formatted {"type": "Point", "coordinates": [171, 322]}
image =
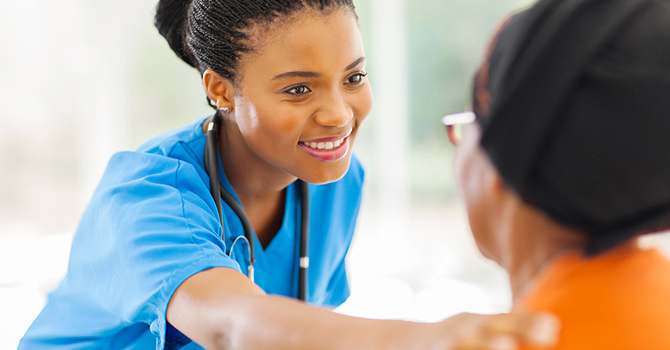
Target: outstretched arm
{"type": "Point", "coordinates": [220, 308]}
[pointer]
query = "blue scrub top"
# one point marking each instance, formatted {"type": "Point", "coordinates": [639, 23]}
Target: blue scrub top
{"type": "Point", "coordinates": [152, 224]}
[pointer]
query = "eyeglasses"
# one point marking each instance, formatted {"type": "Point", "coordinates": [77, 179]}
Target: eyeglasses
{"type": "Point", "coordinates": [455, 123]}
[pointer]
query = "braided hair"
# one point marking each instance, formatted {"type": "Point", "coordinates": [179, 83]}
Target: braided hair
{"type": "Point", "coordinates": [213, 34]}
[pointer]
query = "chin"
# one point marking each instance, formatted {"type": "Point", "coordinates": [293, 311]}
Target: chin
{"type": "Point", "coordinates": [483, 239]}
{"type": "Point", "coordinates": [486, 253]}
{"type": "Point", "coordinates": [489, 251]}
{"type": "Point", "coordinates": [329, 172]}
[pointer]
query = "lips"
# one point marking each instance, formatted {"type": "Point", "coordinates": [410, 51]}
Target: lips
{"type": "Point", "coordinates": [327, 149]}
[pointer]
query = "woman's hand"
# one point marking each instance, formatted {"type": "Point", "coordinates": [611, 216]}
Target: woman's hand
{"type": "Point", "coordinates": [501, 331]}
{"type": "Point", "coordinates": [220, 308]}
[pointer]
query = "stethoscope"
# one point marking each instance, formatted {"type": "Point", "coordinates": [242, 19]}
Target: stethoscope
{"type": "Point", "coordinates": [219, 192]}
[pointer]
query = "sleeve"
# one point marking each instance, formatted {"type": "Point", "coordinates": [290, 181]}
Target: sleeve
{"type": "Point", "coordinates": [151, 225]}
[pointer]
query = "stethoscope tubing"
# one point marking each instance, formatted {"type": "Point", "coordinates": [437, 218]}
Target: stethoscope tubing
{"type": "Point", "coordinates": [219, 193]}
{"type": "Point", "coordinates": [304, 240]}
{"type": "Point", "coordinates": [213, 172]}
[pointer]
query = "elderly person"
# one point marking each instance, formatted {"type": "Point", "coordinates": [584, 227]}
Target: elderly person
{"type": "Point", "coordinates": [568, 163]}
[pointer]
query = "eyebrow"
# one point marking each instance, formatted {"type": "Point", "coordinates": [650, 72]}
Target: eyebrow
{"type": "Point", "coordinates": [303, 74]}
{"type": "Point", "coordinates": [297, 74]}
{"type": "Point", "coordinates": [355, 63]}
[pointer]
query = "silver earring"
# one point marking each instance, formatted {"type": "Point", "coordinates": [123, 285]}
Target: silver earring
{"type": "Point", "coordinates": [225, 110]}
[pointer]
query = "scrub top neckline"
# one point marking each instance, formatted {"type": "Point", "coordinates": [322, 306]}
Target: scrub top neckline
{"type": "Point", "coordinates": [151, 224]}
{"type": "Point", "coordinates": [283, 239]}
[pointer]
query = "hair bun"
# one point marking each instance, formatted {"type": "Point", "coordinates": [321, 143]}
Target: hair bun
{"type": "Point", "coordinates": [170, 20]}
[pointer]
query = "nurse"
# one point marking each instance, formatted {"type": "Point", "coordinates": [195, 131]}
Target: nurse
{"type": "Point", "coordinates": [153, 266]}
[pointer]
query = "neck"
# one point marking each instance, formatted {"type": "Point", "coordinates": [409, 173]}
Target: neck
{"type": "Point", "coordinates": [530, 241]}
{"type": "Point", "coordinates": [251, 177]}
{"type": "Point", "coordinates": [260, 187]}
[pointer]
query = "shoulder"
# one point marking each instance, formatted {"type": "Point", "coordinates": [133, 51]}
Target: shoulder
{"type": "Point", "coordinates": [170, 160]}
{"type": "Point", "coordinates": [164, 144]}
{"type": "Point", "coordinates": [597, 300]}
{"type": "Point", "coordinates": [148, 186]}
{"type": "Point", "coordinates": [150, 212]}
{"type": "Point", "coordinates": [150, 225]}
{"type": "Point", "coordinates": [135, 170]}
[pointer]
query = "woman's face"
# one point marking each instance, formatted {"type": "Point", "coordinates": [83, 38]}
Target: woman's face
{"type": "Point", "coordinates": [303, 94]}
{"type": "Point", "coordinates": [476, 179]}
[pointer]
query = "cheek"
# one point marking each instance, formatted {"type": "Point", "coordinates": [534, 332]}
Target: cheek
{"type": "Point", "coordinates": [467, 168]}
{"type": "Point", "coordinates": [268, 125]}
{"type": "Point", "coordinates": [472, 190]}
{"type": "Point", "coordinates": [362, 104]}
{"type": "Point", "coordinates": [283, 124]}
{"type": "Point", "coordinates": [247, 116]}
{"type": "Point", "coordinates": [461, 171]}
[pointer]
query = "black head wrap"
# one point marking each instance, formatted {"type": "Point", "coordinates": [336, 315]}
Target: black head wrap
{"type": "Point", "coordinates": [574, 106]}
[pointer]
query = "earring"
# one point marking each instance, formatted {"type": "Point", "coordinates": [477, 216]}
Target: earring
{"type": "Point", "coordinates": [225, 110]}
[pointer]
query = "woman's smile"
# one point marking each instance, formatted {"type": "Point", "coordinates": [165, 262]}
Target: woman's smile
{"type": "Point", "coordinates": [327, 149]}
{"type": "Point", "coordinates": [300, 101]}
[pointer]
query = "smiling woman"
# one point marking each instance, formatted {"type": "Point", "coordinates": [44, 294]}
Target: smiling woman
{"type": "Point", "coordinates": [305, 84]}
{"type": "Point", "coordinates": [154, 263]}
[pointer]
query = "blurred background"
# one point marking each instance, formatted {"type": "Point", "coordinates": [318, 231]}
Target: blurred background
{"type": "Point", "coordinates": [81, 80]}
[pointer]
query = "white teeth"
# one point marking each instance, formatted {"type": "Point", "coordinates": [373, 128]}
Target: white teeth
{"type": "Point", "coordinates": [324, 145]}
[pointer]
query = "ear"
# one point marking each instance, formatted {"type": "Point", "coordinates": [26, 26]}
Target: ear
{"type": "Point", "coordinates": [219, 89]}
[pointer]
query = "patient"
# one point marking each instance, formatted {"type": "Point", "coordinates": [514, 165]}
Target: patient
{"type": "Point", "coordinates": [568, 163]}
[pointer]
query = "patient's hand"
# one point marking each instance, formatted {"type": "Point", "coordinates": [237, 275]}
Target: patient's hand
{"type": "Point", "coordinates": [502, 331]}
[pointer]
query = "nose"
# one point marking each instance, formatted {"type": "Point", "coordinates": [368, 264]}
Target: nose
{"type": "Point", "coordinates": [334, 112]}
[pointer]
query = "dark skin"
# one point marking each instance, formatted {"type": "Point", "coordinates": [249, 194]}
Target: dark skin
{"type": "Point", "coordinates": [518, 236]}
{"type": "Point", "coordinates": [266, 216]}
{"type": "Point", "coordinates": [305, 84]}
{"type": "Point", "coordinates": [272, 110]}
{"type": "Point", "coordinates": [265, 212]}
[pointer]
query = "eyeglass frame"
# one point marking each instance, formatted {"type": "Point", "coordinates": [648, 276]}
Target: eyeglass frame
{"type": "Point", "coordinates": [451, 121]}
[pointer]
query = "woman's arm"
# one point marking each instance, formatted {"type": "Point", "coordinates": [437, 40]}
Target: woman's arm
{"type": "Point", "coordinates": [220, 308]}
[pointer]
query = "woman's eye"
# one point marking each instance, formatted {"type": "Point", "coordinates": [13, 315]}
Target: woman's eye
{"type": "Point", "coordinates": [356, 78]}
{"type": "Point", "coordinates": [298, 90]}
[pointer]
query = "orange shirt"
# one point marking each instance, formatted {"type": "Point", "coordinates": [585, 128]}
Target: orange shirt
{"type": "Point", "coordinates": [619, 299]}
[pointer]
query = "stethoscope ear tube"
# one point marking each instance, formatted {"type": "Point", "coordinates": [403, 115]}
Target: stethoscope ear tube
{"type": "Point", "coordinates": [304, 240]}
{"type": "Point", "coordinates": [211, 156]}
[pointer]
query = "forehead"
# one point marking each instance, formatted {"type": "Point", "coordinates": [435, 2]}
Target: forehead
{"type": "Point", "coordinates": [308, 40]}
